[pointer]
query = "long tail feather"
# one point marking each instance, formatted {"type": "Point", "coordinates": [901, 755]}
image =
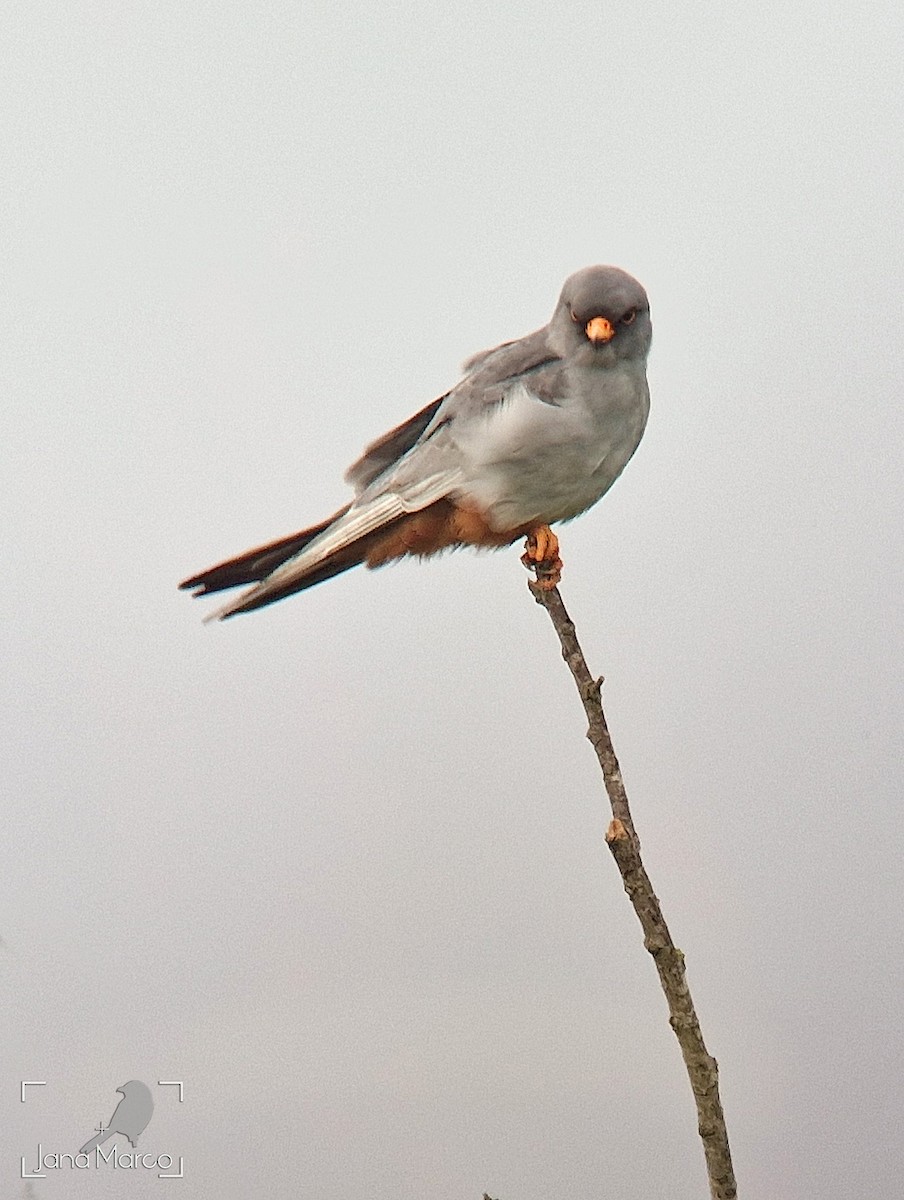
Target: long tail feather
{"type": "Point", "coordinates": [304, 559]}
{"type": "Point", "coordinates": [255, 565]}
{"type": "Point", "coordinates": [339, 544]}
{"type": "Point", "coordinates": [322, 552]}
{"type": "Point", "coordinates": [268, 593]}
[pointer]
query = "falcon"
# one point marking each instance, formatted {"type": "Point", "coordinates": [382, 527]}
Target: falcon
{"type": "Point", "coordinates": [535, 432]}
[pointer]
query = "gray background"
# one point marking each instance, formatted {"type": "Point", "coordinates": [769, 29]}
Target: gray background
{"type": "Point", "coordinates": [339, 865]}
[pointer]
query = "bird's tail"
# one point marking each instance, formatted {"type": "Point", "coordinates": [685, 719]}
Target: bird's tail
{"type": "Point", "coordinates": [96, 1141]}
{"type": "Point", "coordinates": [256, 565]}
{"type": "Point", "coordinates": [281, 568]}
{"type": "Point", "coordinates": [303, 559]}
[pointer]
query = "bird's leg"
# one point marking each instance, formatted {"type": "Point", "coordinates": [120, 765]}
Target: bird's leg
{"type": "Point", "coordinates": [541, 552]}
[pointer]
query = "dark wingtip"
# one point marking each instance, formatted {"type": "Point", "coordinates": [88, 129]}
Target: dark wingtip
{"type": "Point", "coordinates": [256, 564]}
{"type": "Point", "coordinates": [197, 583]}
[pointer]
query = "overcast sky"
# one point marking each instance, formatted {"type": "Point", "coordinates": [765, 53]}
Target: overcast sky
{"type": "Point", "coordinates": [338, 865]}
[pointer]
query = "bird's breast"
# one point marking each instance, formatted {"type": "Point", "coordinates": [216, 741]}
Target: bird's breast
{"type": "Point", "coordinates": [531, 459]}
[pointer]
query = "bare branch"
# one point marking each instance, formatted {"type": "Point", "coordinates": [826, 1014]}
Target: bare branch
{"type": "Point", "coordinates": [624, 844]}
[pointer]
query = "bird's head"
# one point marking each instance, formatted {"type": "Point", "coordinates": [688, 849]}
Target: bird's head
{"type": "Point", "coordinates": [602, 318]}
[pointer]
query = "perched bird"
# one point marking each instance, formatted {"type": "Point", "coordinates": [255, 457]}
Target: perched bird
{"type": "Point", "coordinates": [535, 433]}
{"type": "Point", "coordinates": [130, 1116]}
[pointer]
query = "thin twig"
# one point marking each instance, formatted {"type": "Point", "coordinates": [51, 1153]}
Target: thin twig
{"type": "Point", "coordinates": [622, 840]}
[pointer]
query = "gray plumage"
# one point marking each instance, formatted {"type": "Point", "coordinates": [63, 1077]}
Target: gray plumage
{"type": "Point", "coordinates": [535, 432]}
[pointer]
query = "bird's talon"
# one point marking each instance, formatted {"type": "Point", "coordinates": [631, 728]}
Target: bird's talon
{"type": "Point", "coordinates": [541, 554]}
{"type": "Point", "coordinates": [541, 545]}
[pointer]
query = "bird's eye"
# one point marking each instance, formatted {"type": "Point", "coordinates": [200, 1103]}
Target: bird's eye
{"type": "Point", "coordinates": [628, 318]}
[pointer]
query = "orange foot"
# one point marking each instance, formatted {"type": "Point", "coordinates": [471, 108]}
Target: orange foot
{"type": "Point", "coordinates": [541, 552]}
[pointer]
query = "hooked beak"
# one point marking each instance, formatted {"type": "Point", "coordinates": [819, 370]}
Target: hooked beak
{"type": "Point", "coordinates": [599, 330]}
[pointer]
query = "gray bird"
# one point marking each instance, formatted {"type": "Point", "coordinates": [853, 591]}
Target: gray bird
{"type": "Point", "coordinates": [131, 1116]}
{"type": "Point", "coordinates": [535, 433]}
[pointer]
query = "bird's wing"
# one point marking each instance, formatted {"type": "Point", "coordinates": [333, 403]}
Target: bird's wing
{"type": "Point", "coordinates": [389, 448]}
{"type": "Point", "coordinates": [512, 358]}
{"type": "Point", "coordinates": [484, 374]}
{"type": "Point", "coordinates": [367, 516]}
{"type": "Point", "coordinates": [256, 564]}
